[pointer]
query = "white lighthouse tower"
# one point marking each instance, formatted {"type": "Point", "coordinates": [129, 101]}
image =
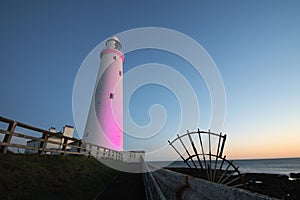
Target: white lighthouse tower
{"type": "Point", "coordinates": [104, 126]}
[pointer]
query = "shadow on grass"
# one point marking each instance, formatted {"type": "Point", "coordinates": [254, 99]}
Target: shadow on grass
{"type": "Point", "coordinates": [52, 177]}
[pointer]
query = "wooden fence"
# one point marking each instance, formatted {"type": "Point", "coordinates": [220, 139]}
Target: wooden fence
{"type": "Point", "coordinates": [65, 145]}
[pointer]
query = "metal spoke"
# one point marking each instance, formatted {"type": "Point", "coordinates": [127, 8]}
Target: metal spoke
{"type": "Point", "coordinates": [186, 150]}
{"type": "Point", "coordinates": [224, 173]}
{"type": "Point", "coordinates": [213, 159]}
{"type": "Point", "coordinates": [214, 176]}
{"type": "Point", "coordinates": [200, 139]}
{"type": "Point", "coordinates": [195, 150]}
{"type": "Point", "coordinates": [209, 144]}
{"type": "Point", "coordinates": [179, 154]}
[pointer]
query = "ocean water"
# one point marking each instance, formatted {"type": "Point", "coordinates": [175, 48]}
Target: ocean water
{"type": "Point", "coordinates": [271, 166]}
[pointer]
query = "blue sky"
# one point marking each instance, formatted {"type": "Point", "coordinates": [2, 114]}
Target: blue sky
{"type": "Point", "coordinates": [255, 45]}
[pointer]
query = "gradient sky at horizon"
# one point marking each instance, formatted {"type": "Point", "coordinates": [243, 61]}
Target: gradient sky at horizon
{"type": "Point", "coordinates": [255, 45]}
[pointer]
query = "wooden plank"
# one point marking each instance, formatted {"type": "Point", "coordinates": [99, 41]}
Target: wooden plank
{"type": "Point", "coordinates": [20, 124]}
{"type": "Point", "coordinates": [26, 126]}
{"type": "Point", "coordinates": [7, 138]}
{"type": "Point", "coordinates": [17, 146]}
{"type": "Point", "coordinates": [20, 135]}
{"type": "Point", "coordinates": [3, 119]}
{"type": "Point", "coordinates": [45, 150]}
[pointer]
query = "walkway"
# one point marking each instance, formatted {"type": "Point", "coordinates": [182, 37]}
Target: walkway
{"type": "Point", "coordinates": [126, 186]}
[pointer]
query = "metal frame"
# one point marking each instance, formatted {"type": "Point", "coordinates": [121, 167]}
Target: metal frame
{"type": "Point", "coordinates": [213, 166]}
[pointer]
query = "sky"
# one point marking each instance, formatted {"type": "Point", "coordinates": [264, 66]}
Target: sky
{"type": "Point", "coordinates": [254, 44]}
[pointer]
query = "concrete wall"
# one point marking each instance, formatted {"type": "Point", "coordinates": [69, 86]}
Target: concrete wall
{"type": "Point", "coordinates": [180, 186]}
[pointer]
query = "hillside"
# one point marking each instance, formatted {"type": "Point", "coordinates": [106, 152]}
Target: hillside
{"type": "Point", "coordinates": [52, 177]}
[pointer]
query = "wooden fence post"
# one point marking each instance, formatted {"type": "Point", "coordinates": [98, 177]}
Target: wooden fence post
{"type": "Point", "coordinates": [43, 143]}
{"type": "Point", "coordinates": [90, 151]}
{"type": "Point", "coordinates": [7, 138]}
{"type": "Point", "coordinates": [79, 146]}
{"type": "Point", "coordinates": [98, 149]}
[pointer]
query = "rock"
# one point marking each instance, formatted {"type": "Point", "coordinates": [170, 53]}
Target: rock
{"type": "Point", "coordinates": [282, 176]}
{"type": "Point", "coordinates": [295, 175]}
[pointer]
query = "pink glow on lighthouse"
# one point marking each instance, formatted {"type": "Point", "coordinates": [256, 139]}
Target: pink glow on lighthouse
{"type": "Point", "coordinates": [105, 121]}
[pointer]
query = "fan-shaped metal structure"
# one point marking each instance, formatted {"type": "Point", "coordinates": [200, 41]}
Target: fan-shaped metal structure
{"type": "Point", "coordinates": [202, 152]}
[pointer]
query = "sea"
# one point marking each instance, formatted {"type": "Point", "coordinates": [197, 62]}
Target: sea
{"type": "Point", "coordinates": [283, 166]}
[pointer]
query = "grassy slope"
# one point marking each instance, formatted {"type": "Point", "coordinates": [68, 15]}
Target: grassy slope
{"type": "Point", "coordinates": [52, 177]}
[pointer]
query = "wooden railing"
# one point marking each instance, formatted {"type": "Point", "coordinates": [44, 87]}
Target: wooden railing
{"type": "Point", "coordinates": [64, 145]}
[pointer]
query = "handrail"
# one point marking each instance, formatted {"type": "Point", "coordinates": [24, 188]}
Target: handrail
{"type": "Point", "coordinates": [152, 188]}
{"type": "Point", "coordinates": [20, 124]}
{"type": "Point", "coordinates": [63, 145]}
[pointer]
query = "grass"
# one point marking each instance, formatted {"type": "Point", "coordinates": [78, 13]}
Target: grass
{"type": "Point", "coordinates": [52, 177]}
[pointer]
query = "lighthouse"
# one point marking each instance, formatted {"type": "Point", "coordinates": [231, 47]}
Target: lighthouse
{"type": "Point", "coordinates": [104, 126]}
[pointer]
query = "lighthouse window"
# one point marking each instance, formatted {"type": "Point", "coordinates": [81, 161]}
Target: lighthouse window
{"type": "Point", "coordinates": [111, 95]}
{"type": "Point", "coordinates": [120, 73]}
{"type": "Point", "coordinates": [115, 57]}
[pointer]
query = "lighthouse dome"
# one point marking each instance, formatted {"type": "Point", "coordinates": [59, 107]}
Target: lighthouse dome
{"type": "Point", "coordinates": [114, 43]}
